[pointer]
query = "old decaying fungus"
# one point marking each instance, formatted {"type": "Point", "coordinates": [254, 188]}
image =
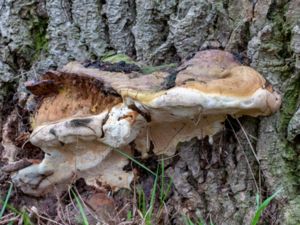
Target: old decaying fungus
{"type": "Point", "coordinates": [84, 113]}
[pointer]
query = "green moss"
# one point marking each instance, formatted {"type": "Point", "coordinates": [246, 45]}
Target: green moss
{"type": "Point", "coordinates": [38, 33]}
{"type": "Point", "coordinates": [288, 149]}
{"type": "Point", "coordinates": [278, 49]}
{"type": "Point", "coordinates": [289, 104]}
{"type": "Point", "coordinates": [292, 213]}
{"type": "Point", "coordinates": [291, 169]}
{"type": "Point", "coordinates": [7, 88]}
{"type": "Point", "coordinates": [110, 57]}
{"type": "Point", "coordinates": [281, 31]}
{"type": "Point", "coordinates": [279, 45]}
{"type": "Point", "coordinates": [150, 69]}
{"type": "Point", "coordinates": [146, 69]}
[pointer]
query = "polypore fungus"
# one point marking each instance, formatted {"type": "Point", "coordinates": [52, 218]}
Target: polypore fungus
{"type": "Point", "coordinates": [84, 113]}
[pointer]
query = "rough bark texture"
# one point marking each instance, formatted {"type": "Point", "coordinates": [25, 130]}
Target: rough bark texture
{"type": "Point", "coordinates": [212, 181]}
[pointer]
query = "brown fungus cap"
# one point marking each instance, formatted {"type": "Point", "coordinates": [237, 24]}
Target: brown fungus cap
{"type": "Point", "coordinates": [216, 82]}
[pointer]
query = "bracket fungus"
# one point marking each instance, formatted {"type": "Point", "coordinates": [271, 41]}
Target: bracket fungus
{"type": "Point", "coordinates": [84, 113]}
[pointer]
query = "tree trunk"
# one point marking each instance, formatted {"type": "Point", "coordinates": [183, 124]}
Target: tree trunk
{"type": "Point", "coordinates": [218, 181]}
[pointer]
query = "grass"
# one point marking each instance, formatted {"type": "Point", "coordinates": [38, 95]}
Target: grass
{"type": "Point", "coordinates": [21, 215]}
{"type": "Point", "coordinates": [150, 208]}
{"type": "Point", "coordinates": [141, 201]}
{"type": "Point", "coordinates": [164, 192]}
{"type": "Point", "coordinates": [134, 160]}
{"type": "Point", "coordinates": [81, 208]}
{"type": "Point", "coordinates": [129, 215]}
{"type": "Point", "coordinates": [261, 207]}
{"type": "Point", "coordinates": [255, 219]}
{"type": "Point", "coordinates": [6, 200]}
{"type": "Point", "coordinates": [149, 214]}
{"type": "Point", "coordinates": [187, 221]}
{"type": "Point", "coordinates": [146, 207]}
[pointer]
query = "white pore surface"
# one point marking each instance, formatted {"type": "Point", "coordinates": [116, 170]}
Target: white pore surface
{"type": "Point", "coordinates": [181, 103]}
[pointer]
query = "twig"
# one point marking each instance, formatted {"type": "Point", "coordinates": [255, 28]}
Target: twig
{"type": "Point", "coordinates": [250, 144]}
{"type": "Point", "coordinates": [248, 163]}
{"type": "Point", "coordinates": [122, 209]}
{"type": "Point", "coordinates": [92, 213]}
{"type": "Point", "coordinates": [7, 215]}
{"type": "Point", "coordinates": [10, 220]}
{"type": "Point", "coordinates": [253, 151]}
{"type": "Point", "coordinates": [44, 218]}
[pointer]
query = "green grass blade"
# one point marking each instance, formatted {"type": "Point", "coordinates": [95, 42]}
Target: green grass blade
{"type": "Point", "coordinates": [257, 198]}
{"type": "Point", "coordinates": [129, 215]}
{"type": "Point", "coordinates": [152, 200]}
{"type": "Point", "coordinates": [201, 222]}
{"type": "Point", "coordinates": [210, 220]}
{"type": "Point", "coordinates": [162, 183]}
{"type": "Point", "coordinates": [190, 222]}
{"type": "Point", "coordinates": [262, 207]}
{"type": "Point", "coordinates": [26, 219]}
{"type": "Point", "coordinates": [164, 188]}
{"type": "Point", "coordinates": [142, 201]}
{"type": "Point", "coordinates": [13, 209]}
{"type": "Point", "coordinates": [168, 190]}
{"type": "Point", "coordinates": [84, 218]}
{"type": "Point", "coordinates": [187, 220]}
{"type": "Point", "coordinates": [6, 200]}
{"type": "Point", "coordinates": [153, 193]}
{"type": "Point", "coordinates": [135, 161]}
{"type": "Point", "coordinates": [24, 215]}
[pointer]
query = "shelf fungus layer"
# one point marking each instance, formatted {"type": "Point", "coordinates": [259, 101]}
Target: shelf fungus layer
{"type": "Point", "coordinates": [84, 113]}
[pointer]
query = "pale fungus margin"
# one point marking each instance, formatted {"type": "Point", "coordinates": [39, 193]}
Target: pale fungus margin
{"type": "Point", "coordinates": [84, 113]}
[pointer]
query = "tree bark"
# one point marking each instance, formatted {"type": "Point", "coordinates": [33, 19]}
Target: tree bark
{"type": "Point", "coordinates": [218, 181]}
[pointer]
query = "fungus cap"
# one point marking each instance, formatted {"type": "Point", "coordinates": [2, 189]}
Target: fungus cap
{"type": "Point", "coordinates": [84, 113]}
